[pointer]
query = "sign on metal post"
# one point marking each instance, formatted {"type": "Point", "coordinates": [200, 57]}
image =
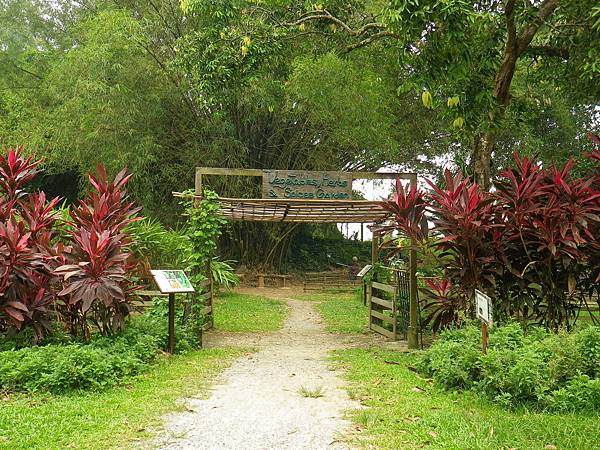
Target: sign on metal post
{"type": "Point", "coordinates": [483, 306]}
{"type": "Point", "coordinates": [172, 282]}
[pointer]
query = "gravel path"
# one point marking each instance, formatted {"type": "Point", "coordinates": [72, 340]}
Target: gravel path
{"type": "Point", "coordinates": [259, 406]}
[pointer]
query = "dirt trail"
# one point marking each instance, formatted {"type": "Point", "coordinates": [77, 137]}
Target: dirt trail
{"type": "Point", "coordinates": [258, 405]}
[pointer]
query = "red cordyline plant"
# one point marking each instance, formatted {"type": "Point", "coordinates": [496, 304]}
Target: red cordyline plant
{"type": "Point", "coordinates": [534, 244]}
{"type": "Point", "coordinates": [27, 254]}
{"type": "Point", "coordinates": [546, 218]}
{"type": "Point", "coordinates": [96, 279]}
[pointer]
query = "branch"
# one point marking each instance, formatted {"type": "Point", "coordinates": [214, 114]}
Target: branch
{"type": "Point", "coordinates": [370, 39]}
{"type": "Point", "coordinates": [545, 50]}
{"type": "Point", "coordinates": [545, 10]}
{"type": "Point", "coordinates": [326, 15]}
{"type": "Point", "coordinates": [22, 69]}
{"type": "Point", "coordinates": [509, 13]}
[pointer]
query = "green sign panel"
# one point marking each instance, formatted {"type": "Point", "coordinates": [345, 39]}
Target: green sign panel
{"type": "Point", "coordinates": [172, 281]}
{"type": "Point", "coordinates": [299, 184]}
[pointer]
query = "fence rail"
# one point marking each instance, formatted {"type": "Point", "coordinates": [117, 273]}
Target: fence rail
{"type": "Point", "coordinates": [323, 280]}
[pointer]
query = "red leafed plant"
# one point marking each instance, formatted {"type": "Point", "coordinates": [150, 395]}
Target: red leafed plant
{"type": "Point", "coordinates": [27, 254]}
{"type": "Point", "coordinates": [463, 217]}
{"type": "Point", "coordinates": [96, 279]}
{"type": "Point", "coordinates": [444, 306]}
{"type": "Point", "coordinates": [408, 207]}
{"type": "Point", "coordinates": [533, 244]}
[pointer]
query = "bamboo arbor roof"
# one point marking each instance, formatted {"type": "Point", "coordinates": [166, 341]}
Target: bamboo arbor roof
{"type": "Point", "coordinates": [309, 211]}
{"type": "Point", "coordinates": [298, 210]}
{"type": "Point", "coordinates": [301, 210]}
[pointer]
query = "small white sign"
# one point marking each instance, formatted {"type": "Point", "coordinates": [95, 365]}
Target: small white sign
{"type": "Point", "coordinates": [172, 281]}
{"type": "Point", "coordinates": [365, 270]}
{"type": "Point", "coordinates": [483, 304]}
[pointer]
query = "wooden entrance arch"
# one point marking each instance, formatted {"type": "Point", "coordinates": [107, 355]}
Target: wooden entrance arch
{"type": "Point", "coordinates": [315, 197]}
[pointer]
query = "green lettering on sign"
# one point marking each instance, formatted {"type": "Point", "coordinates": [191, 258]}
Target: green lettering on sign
{"type": "Point", "coordinates": [298, 184]}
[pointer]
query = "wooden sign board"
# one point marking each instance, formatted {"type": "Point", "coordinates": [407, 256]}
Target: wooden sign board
{"type": "Point", "coordinates": [365, 270]}
{"type": "Point", "coordinates": [300, 184]}
{"type": "Point", "coordinates": [172, 281]}
{"type": "Point", "coordinates": [483, 305]}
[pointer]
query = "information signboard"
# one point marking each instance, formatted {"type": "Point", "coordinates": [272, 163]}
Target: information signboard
{"type": "Point", "coordinates": [172, 281]}
{"type": "Point", "coordinates": [365, 270]}
{"type": "Point", "coordinates": [483, 303]}
{"type": "Point", "coordinates": [300, 184]}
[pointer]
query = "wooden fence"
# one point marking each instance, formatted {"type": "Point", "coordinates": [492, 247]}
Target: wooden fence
{"type": "Point", "coordinates": [332, 279]}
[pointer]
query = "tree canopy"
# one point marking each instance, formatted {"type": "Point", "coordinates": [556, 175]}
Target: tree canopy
{"type": "Point", "coordinates": [163, 86]}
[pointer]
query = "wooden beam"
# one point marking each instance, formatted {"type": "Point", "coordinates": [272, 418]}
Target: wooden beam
{"type": "Point", "coordinates": [383, 331]}
{"type": "Point", "coordinates": [381, 316]}
{"type": "Point", "coordinates": [260, 172]}
{"type": "Point", "coordinates": [384, 287]}
{"type": "Point", "coordinates": [229, 172]}
{"type": "Point", "coordinates": [379, 301]}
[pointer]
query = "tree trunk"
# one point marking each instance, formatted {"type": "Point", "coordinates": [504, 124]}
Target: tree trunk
{"type": "Point", "coordinates": [481, 159]}
{"type": "Point", "coordinates": [516, 44]}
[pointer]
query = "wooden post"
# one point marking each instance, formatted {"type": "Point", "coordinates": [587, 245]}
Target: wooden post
{"type": "Point", "coordinates": [197, 187]}
{"type": "Point", "coordinates": [369, 294]}
{"type": "Point", "coordinates": [375, 248]}
{"type": "Point", "coordinates": [210, 300]}
{"type": "Point", "coordinates": [395, 315]}
{"type": "Point", "coordinates": [261, 281]}
{"type": "Point", "coordinates": [484, 336]}
{"type": "Point", "coordinates": [171, 343]}
{"type": "Point", "coordinates": [413, 328]}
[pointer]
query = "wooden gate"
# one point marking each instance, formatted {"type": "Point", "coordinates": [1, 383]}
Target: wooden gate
{"type": "Point", "coordinates": [389, 304]}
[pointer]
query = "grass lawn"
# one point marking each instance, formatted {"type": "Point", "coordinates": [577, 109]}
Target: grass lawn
{"type": "Point", "coordinates": [342, 311]}
{"type": "Point", "coordinates": [116, 418]}
{"type": "Point", "coordinates": [240, 312]}
{"type": "Point", "coordinates": [405, 411]}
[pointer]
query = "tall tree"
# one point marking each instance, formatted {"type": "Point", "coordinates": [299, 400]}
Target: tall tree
{"type": "Point", "coordinates": [467, 54]}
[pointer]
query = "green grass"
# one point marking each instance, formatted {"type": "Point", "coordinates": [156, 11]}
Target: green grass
{"type": "Point", "coordinates": [116, 418]}
{"type": "Point", "coordinates": [342, 312]}
{"type": "Point", "coordinates": [239, 312]}
{"type": "Point", "coordinates": [406, 411]}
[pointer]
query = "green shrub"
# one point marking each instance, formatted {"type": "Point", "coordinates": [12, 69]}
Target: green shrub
{"type": "Point", "coordinates": [582, 393]}
{"type": "Point", "coordinates": [546, 371]}
{"type": "Point", "coordinates": [452, 364]}
{"type": "Point", "coordinates": [102, 363]}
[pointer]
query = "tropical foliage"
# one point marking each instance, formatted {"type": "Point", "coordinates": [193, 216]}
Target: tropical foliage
{"type": "Point", "coordinates": [165, 86]}
{"type": "Point", "coordinates": [72, 273]}
{"type": "Point", "coordinates": [540, 370]}
{"type": "Point", "coordinates": [532, 243]}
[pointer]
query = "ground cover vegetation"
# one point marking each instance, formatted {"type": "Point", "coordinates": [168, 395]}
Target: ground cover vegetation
{"type": "Point", "coordinates": [407, 410]}
{"type": "Point", "coordinates": [541, 371]}
{"type": "Point", "coordinates": [122, 417]}
{"type": "Point", "coordinates": [532, 244]}
{"type": "Point", "coordinates": [248, 313]}
{"type": "Point", "coordinates": [341, 311]}
{"type": "Point", "coordinates": [164, 86]}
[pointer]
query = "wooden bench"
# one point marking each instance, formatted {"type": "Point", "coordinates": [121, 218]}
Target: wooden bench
{"type": "Point", "coordinates": [261, 279]}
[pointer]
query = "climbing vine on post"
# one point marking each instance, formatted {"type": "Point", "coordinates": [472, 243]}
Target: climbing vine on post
{"type": "Point", "coordinates": [203, 228]}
